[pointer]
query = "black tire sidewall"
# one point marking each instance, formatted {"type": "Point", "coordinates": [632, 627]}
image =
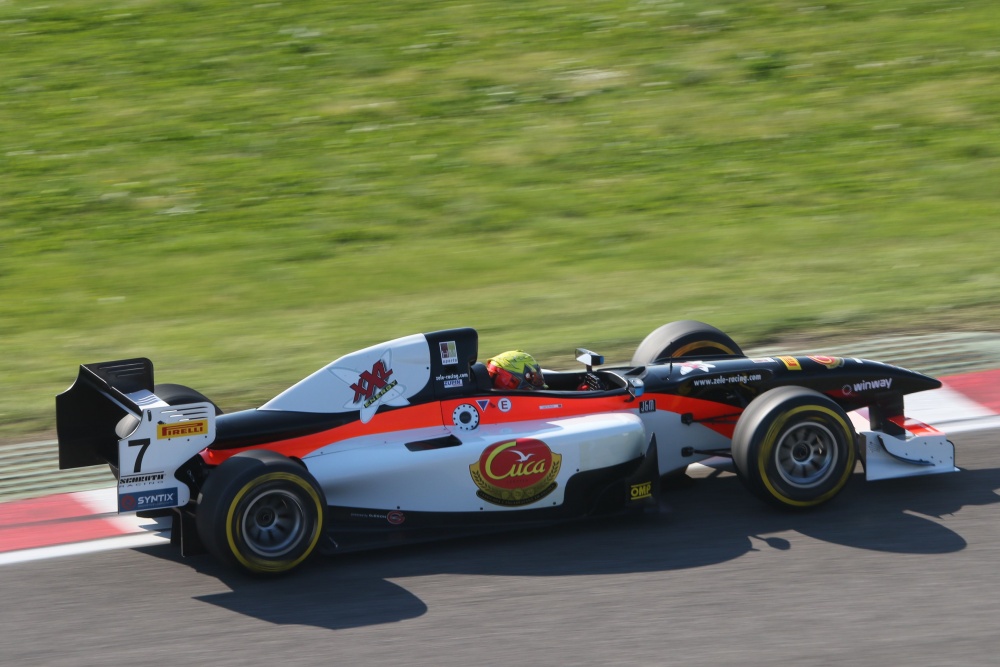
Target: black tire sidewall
{"type": "Point", "coordinates": [684, 339]}
{"type": "Point", "coordinates": [232, 487]}
{"type": "Point", "coordinates": [178, 394]}
{"type": "Point", "coordinates": [761, 427]}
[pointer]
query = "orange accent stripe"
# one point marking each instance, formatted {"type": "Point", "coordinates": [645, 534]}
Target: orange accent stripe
{"type": "Point", "coordinates": [523, 407]}
{"type": "Point", "coordinates": [391, 421]}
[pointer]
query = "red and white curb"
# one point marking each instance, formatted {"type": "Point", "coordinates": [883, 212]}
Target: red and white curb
{"type": "Point", "coordinates": [87, 521]}
{"type": "Point", "coordinates": [72, 523]}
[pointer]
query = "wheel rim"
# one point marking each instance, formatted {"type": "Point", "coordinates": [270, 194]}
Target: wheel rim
{"type": "Point", "coordinates": [273, 523]}
{"type": "Point", "coordinates": [806, 454]}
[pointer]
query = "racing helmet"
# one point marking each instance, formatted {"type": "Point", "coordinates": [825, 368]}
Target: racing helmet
{"type": "Point", "coordinates": [515, 369]}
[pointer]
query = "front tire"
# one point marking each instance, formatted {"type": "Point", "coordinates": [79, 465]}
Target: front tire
{"type": "Point", "coordinates": [684, 339]}
{"type": "Point", "coordinates": [261, 512]}
{"type": "Point", "coordinates": [794, 447]}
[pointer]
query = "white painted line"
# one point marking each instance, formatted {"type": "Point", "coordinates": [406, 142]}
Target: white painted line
{"type": "Point", "coordinates": [143, 539]}
{"type": "Point", "coordinates": [105, 501]}
{"type": "Point", "coordinates": [974, 424]}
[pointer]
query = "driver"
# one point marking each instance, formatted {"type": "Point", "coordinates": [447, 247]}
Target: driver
{"type": "Point", "coordinates": [515, 369]}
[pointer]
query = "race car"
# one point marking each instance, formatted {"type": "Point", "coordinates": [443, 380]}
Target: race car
{"type": "Point", "coordinates": [409, 440]}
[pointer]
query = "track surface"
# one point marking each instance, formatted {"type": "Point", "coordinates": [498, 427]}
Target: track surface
{"type": "Point", "coordinates": [896, 572]}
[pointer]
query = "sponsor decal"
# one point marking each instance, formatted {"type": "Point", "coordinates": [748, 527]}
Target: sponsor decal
{"type": "Point", "coordinates": [551, 406]}
{"type": "Point", "coordinates": [733, 378]}
{"type": "Point", "coordinates": [182, 429]}
{"type": "Point", "coordinates": [449, 352]}
{"type": "Point", "coordinates": [453, 380]}
{"type": "Point", "coordinates": [867, 385]}
{"type": "Point", "coordinates": [829, 362]}
{"type": "Point", "coordinates": [791, 363]}
{"type": "Point", "coordinates": [465, 417]}
{"type": "Point", "coordinates": [763, 360]}
{"type": "Point", "coordinates": [648, 405]}
{"type": "Point", "coordinates": [143, 479]}
{"type": "Point", "coordinates": [516, 472]}
{"type": "Point", "coordinates": [395, 517]}
{"type": "Point", "coordinates": [372, 387]}
{"type": "Point", "coordinates": [147, 500]}
{"type": "Point", "coordinates": [691, 366]}
{"type": "Point", "coordinates": [641, 491]}
{"type": "Point", "coordinates": [504, 405]}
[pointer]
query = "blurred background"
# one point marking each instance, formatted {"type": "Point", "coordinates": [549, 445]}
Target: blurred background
{"type": "Point", "coordinates": [244, 192]}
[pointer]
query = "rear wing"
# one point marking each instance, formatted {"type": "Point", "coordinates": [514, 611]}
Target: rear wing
{"type": "Point", "coordinates": [88, 413]}
{"type": "Point", "coordinates": [111, 415]}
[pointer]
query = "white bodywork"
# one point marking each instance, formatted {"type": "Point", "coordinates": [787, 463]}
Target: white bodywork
{"type": "Point", "coordinates": [165, 437]}
{"type": "Point", "coordinates": [385, 374]}
{"type": "Point", "coordinates": [923, 450]}
{"type": "Point", "coordinates": [381, 473]}
{"type": "Point", "coordinates": [886, 456]}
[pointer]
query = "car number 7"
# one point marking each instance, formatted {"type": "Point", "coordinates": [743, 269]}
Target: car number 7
{"type": "Point", "coordinates": [144, 443]}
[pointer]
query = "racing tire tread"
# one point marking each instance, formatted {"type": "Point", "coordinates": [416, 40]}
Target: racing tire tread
{"type": "Point", "coordinates": [231, 489]}
{"type": "Point", "coordinates": [775, 414]}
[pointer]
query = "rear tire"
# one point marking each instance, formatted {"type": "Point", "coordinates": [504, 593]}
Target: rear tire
{"type": "Point", "coordinates": [685, 338]}
{"type": "Point", "coordinates": [178, 394]}
{"type": "Point", "coordinates": [794, 447]}
{"type": "Point", "coordinates": [261, 512]}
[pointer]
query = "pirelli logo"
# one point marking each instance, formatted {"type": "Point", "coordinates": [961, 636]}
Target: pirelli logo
{"type": "Point", "coordinates": [182, 429]}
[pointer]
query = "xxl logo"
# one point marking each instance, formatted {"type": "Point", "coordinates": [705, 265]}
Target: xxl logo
{"type": "Point", "coordinates": [516, 472]}
{"type": "Point", "coordinates": [372, 387]}
{"type": "Point", "coordinates": [370, 382]}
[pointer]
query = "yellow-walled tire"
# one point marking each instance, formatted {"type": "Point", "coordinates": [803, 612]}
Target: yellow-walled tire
{"type": "Point", "coordinates": [261, 512]}
{"type": "Point", "coordinates": [794, 447]}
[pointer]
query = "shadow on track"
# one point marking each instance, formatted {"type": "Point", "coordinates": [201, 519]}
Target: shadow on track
{"type": "Point", "coordinates": [702, 522]}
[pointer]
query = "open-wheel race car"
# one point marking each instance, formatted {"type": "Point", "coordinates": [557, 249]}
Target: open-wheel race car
{"type": "Point", "coordinates": [409, 440]}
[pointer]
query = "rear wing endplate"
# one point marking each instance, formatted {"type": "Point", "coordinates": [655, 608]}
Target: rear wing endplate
{"type": "Point", "coordinates": [88, 412]}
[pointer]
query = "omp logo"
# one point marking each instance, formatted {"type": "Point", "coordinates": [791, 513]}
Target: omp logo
{"type": "Point", "coordinates": [182, 429]}
{"type": "Point", "coordinates": [868, 385]}
{"type": "Point", "coordinates": [641, 491]}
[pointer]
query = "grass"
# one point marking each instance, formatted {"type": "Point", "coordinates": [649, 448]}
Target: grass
{"type": "Point", "coordinates": [244, 192]}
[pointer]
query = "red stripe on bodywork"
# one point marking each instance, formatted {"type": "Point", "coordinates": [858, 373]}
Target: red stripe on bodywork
{"type": "Point", "coordinates": [913, 426]}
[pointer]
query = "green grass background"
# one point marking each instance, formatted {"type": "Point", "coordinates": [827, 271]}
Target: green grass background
{"type": "Point", "coordinates": [243, 192]}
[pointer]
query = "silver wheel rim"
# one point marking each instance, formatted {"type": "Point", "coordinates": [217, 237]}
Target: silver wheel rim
{"type": "Point", "coordinates": [273, 523]}
{"type": "Point", "coordinates": [806, 454]}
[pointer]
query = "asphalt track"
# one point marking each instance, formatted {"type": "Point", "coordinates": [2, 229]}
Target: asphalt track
{"type": "Point", "coordinates": [894, 572]}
